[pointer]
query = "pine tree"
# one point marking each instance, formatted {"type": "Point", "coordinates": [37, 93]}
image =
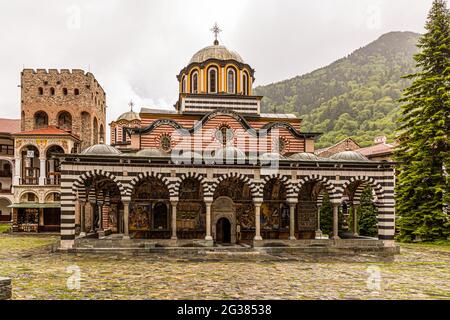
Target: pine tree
{"type": "Point", "coordinates": [367, 214]}
{"type": "Point", "coordinates": [422, 187]}
{"type": "Point", "coordinates": [326, 215]}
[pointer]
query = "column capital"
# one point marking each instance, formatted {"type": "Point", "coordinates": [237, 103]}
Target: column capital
{"type": "Point", "coordinates": [292, 201]}
{"type": "Point", "coordinates": [174, 202]}
{"type": "Point", "coordinates": [208, 200]}
{"type": "Point", "coordinates": [258, 201]}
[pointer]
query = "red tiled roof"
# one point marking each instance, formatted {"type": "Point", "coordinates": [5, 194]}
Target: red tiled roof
{"type": "Point", "coordinates": [381, 148]}
{"type": "Point", "coordinates": [9, 125]}
{"type": "Point", "coordinates": [49, 131]}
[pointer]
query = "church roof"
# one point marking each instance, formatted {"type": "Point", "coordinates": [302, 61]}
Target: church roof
{"type": "Point", "coordinates": [215, 51]}
{"type": "Point", "coordinates": [101, 150]}
{"type": "Point", "coordinates": [9, 125]}
{"type": "Point", "coordinates": [129, 116]}
{"type": "Point", "coordinates": [349, 156]}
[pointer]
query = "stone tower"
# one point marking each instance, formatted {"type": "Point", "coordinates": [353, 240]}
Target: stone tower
{"type": "Point", "coordinates": [70, 100]}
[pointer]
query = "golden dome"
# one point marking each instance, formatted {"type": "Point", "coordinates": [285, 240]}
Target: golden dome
{"type": "Point", "coordinates": [215, 51]}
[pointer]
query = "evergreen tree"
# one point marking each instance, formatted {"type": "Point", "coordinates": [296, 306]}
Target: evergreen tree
{"type": "Point", "coordinates": [367, 214]}
{"type": "Point", "coordinates": [422, 187]}
{"type": "Point", "coordinates": [326, 216]}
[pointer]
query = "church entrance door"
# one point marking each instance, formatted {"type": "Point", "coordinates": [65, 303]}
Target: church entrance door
{"type": "Point", "coordinates": [224, 220]}
{"type": "Point", "coordinates": [223, 231]}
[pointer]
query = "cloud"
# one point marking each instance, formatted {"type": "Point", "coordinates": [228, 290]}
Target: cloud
{"type": "Point", "coordinates": [136, 48]}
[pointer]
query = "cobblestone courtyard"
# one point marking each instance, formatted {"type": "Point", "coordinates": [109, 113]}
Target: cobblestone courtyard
{"type": "Point", "coordinates": [419, 272]}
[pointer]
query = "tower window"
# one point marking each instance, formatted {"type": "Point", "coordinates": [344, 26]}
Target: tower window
{"type": "Point", "coordinates": [40, 120]}
{"type": "Point", "coordinates": [76, 92]}
{"type": "Point", "coordinates": [231, 81]}
{"type": "Point", "coordinates": [52, 91]}
{"type": "Point", "coordinates": [194, 82]}
{"type": "Point", "coordinates": [41, 91]}
{"type": "Point", "coordinates": [245, 84]}
{"type": "Point", "coordinates": [65, 91]}
{"type": "Point", "coordinates": [65, 121]}
{"type": "Point", "coordinates": [212, 80]}
{"type": "Point", "coordinates": [183, 84]}
{"type": "Point", "coordinates": [124, 135]}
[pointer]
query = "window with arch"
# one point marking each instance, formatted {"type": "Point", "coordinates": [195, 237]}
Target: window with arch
{"type": "Point", "coordinates": [76, 92]}
{"type": "Point", "coordinates": [194, 82]}
{"type": "Point", "coordinates": [245, 84]}
{"type": "Point", "coordinates": [124, 134]}
{"type": "Point", "coordinates": [40, 120]}
{"type": "Point", "coordinates": [40, 91]}
{"type": "Point", "coordinates": [212, 80]}
{"type": "Point", "coordinates": [52, 91]}
{"type": "Point", "coordinates": [231, 81]}
{"type": "Point", "coordinates": [95, 131]}
{"type": "Point", "coordinates": [65, 121]}
{"type": "Point", "coordinates": [102, 134]}
{"type": "Point", "coordinates": [183, 84]}
{"type": "Point", "coordinates": [65, 91]}
{"type": "Point", "coordinates": [224, 134]}
{"type": "Point", "coordinates": [115, 135]}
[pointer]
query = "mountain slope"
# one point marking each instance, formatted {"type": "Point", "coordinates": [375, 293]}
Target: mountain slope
{"type": "Point", "coordinates": [355, 96]}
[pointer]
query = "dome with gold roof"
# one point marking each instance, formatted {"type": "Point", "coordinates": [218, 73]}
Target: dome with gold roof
{"type": "Point", "coordinates": [216, 70]}
{"type": "Point", "coordinates": [217, 52]}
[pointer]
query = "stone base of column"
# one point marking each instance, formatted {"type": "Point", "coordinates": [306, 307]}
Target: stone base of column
{"type": "Point", "coordinates": [209, 238]}
{"type": "Point", "coordinates": [319, 234]}
{"type": "Point", "coordinates": [355, 234]}
{"type": "Point", "coordinates": [126, 237]}
{"type": "Point", "coordinates": [82, 234]}
{"type": "Point", "coordinates": [173, 238]}
{"type": "Point", "coordinates": [292, 238]}
{"type": "Point", "coordinates": [257, 238]}
{"type": "Point", "coordinates": [335, 238]}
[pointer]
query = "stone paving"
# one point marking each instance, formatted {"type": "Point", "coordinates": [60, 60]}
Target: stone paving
{"type": "Point", "coordinates": [419, 272]}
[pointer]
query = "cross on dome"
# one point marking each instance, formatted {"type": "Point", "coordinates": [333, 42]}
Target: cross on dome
{"type": "Point", "coordinates": [216, 30]}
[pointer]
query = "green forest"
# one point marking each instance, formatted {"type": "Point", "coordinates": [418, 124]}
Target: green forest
{"type": "Point", "coordinates": [356, 96]}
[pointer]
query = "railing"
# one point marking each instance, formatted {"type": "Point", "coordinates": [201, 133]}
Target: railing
{"type": "Point", "coordinates": [53, 179]}
{"type": "Point", "coordinates": [31, 177]}
{"type": "Point", "coordinates": [5, 173]}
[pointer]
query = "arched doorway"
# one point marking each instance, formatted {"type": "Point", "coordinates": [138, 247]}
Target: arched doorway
{"type": "Point", "coordinates": [160, 216]}
{"type": "Point", "coordinates": [224, 208]}
{"type": "Point", "coordinates": [233, 200]}
{"type": "Point", "coordinates": [223, 231]}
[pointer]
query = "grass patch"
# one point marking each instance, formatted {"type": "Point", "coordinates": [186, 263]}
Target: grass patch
{"type": "Point", "coordinates": [5, 228]}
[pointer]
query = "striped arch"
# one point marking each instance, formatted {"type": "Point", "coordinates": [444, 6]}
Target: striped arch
{"type": "Point", "coordinates": [156, 175]}
{"type": "Point", "coordinates": [284, 179]}
{"type": "Point", "coordinates": [254, 188]}
{"type": "Point", "coordinates": [79, 185]}
{"type": "Point", "coordinates": [366, 181]}
{"type": "Point", "coordinates": [190, 175]}
{"type": "Point", "coordinates": [329, 187]}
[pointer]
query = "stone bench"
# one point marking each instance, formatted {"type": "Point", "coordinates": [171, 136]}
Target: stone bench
{"type": "Point", "coordinates": [5, 288]}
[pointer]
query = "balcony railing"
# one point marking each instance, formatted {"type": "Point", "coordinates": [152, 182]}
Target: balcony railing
{"type": "Point", "coordinates": [5, 173]}
{"type": "Point", "coordinates": [53, 179]}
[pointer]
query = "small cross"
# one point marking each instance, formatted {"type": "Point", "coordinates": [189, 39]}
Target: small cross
{"type": "Point", "coordinates": [131, 104]}
{"type": "Point", "coordinates": [216, 30]}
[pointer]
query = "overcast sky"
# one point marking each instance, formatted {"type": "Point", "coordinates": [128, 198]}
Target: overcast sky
{"type": "Point", "coordinates": [135, 48]}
